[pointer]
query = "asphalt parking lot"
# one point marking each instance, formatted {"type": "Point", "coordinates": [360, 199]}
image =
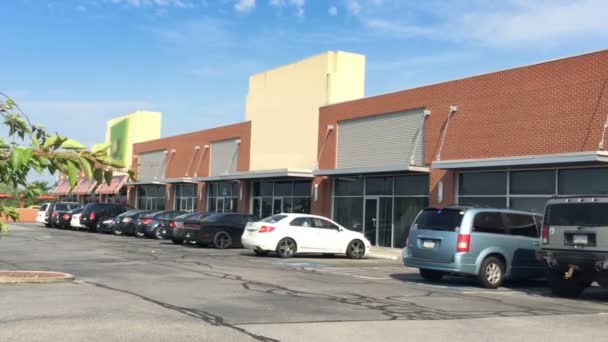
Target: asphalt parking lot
{"type": "Point", "coordinates": [129, 289]}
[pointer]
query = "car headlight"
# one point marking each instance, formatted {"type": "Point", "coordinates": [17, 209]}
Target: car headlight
{"type": "Point", "coordinates": [108, 221]}
{"type": "Point", "coordinates": [127, 219]}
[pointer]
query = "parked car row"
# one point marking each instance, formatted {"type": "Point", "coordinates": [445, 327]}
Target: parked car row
{"type": "Point", "coordinates": [283, 234]}
{"type": "Point", "coordinates": [568, 245]}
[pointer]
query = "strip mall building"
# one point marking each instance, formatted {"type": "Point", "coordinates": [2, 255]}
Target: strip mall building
{"type": "Point", "coordinates": [313, 143]}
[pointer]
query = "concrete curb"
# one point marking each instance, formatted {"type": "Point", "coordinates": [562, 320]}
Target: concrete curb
{"type": "Point", "coordinates": [385, 253]}
{"type": "Point", "coordinates": [34, 277]}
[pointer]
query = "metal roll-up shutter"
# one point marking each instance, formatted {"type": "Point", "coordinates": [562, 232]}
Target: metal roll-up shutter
{"type": "Point", "coordinates": [381, 140]}
{"type": "Point", "coordinates": [224, 157]}
{"type": "Point", "coordinates": [150, 166]}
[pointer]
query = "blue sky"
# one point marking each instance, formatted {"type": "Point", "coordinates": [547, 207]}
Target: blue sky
{"type": "Point", "coordinates": [73, 64]}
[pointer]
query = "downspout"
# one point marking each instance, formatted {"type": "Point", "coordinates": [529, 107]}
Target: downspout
{"type": "Point", "coordinates": [453, 109]}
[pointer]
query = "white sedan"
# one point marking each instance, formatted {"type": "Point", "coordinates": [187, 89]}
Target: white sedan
{"type": "Point", "coordinates": [289, 234]}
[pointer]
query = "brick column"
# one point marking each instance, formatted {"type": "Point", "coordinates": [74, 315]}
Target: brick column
{"type": "Point", "coordinates": [169, 200]}
{"type": "Point", "coordinates": [448, 179]}
{"type": "Point", "coordinates": [244, 194]}
{"type": "Point", "coordinates": [131, 196]}
{"type": "Point", "coordinates": [201, 196]}
{"type": "Point", "coordinates": [322, 204]}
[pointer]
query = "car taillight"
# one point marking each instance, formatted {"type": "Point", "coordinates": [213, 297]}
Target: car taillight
{"type": "Point", "coordinates": [66, 216]}
{"type": "Point", "coordinates": [172, 224]}
{"type": "Point", "coordinates": [464, 243]}
{"type": "Point", "coordinates": [266, 229]}
{"type": "Point", "coordinates": [92, 216]}
{"type": "Point", "coordinates": [54, 214]}
{"type": "Point", "coordinates": [146, 221]}
{"type": "Point", "coordinates": [545, 234]}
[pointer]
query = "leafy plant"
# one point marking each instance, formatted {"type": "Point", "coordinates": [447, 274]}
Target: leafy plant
{"type": "Point", "coordinates": [31, 147]}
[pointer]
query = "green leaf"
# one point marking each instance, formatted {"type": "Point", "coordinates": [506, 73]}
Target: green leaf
{"type": "Point", "coordinates": [71, 144]}
{"type": "Point", "coordinates": [72, 173]}
{"type": "Point", "coordinates": [50, 141]}
{"type": "Point", "coordinates": [98, 175]}
{"type": "Point", "coordinates": [4, 145]}
{"type": "Point", "coordinates": [86, 166]}
{"type": "Point", "coordinates": [107, 175]}
{"type": "Point", "coordinates": [117, 164]}
{"type": "Point", "coordinates": [20, 156]}
{"type": "Point", "coordinates": [100, 149]}
{"type": "Point", "coordinates": [3, 228]}
{"type": "Point", "coordinates": [132, 175]}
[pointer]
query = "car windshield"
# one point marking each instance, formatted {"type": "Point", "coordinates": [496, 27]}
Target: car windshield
{"type": "Point", "coordinates": [274, 218]}
{"type": "Point", "coordinates": [43, 207]}
{"type": "Point", "coordinates": [214, 217]}
{"type": "Point", "coordinates": [439, 219]}
{"type": "Point", "coordinates": [578, 214]}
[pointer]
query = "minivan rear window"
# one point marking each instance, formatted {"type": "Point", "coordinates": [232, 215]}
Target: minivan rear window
{"type": "Point", "coordinates": [439, 219]}
{"type": "Point", "coordinates": [578, 214]}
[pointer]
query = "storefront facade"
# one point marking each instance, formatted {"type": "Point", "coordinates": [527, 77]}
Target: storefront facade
{"type": "Point", "coordinates": [512, 139]}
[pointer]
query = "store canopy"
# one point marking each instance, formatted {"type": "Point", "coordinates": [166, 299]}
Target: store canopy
{"type": "Point", "coordinates": [592, 157]}
{"type": "Point", "coordinates": [279, 173]}
{"type": "Point", "coordinates": [364, 170]}
{"type": "Point", "coordinates": [115, 185]}
{"type": "Point", "coordinates": [63, 188]}
{"type": "Point", "coordinates": [85, 187]}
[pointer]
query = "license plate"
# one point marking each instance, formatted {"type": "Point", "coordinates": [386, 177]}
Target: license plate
{"type": "Point", "coordinates": [580, 239]}
{"type": "Point", "coordinates": [428, 244]}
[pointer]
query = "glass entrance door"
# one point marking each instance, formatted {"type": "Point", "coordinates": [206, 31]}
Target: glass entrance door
{"type": "Point", "coordinates": [277, 206]}
{"type": "Point", "coordinates": [220, 205]}
{"type": "Point", "coordinates": [385, 222]}
{"type": "Point", "coordinates": [379, 221]}
{"type": "Point", "coordinates": [371, 219]}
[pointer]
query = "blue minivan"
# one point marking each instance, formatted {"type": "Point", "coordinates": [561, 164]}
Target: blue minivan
{"type": "Point", "coordinates": [490, 244]}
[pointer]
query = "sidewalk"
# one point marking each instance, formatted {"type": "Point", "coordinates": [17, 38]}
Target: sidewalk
{"type": "Point", "coordinates": [385, 253]}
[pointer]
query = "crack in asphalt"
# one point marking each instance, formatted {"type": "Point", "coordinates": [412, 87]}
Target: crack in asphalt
{"type": "Point", "coordinates": [394, 307]}
{"type": "Point", "coordinates": [207, 317]}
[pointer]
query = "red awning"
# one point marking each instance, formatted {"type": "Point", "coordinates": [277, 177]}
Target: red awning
{"type": "Point", "coordinates": [63, 188]}
{"type": "Point", "coordinates": [115, 185]}
{"type": "Point", "coordinates": [5, 196]}
{"type": "Point", "coordinates": [85, 187]}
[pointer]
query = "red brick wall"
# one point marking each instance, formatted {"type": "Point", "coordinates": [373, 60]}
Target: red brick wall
{"type": "Point", "coordinates": [553, 107]}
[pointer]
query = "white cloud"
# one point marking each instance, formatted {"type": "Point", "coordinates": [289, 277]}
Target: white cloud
{"type": "Point", "coordinates": [513, 23]}
{"type": "Point", "coordinates": [157, 3]}
{"type": "Point", "coordinates": [354, 7]}
{"type": "Point", "coordinates": [298, 5]}
{"type": "Point", "coordinates": [333, 11]}
{"type": "Point", "coordinates": [244, 6]}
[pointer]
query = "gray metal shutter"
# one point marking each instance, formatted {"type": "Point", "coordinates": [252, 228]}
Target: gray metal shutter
{"type": "Point", "coordinates": [381, 140]}
{"type": "Point", "coordinates": [150, 166]}
{"type": "Point", "coordinates": [224, 157]}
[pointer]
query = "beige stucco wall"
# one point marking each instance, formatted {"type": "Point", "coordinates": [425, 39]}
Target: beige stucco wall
{"type": "Point", "coordinates": [142, 126]}
{"type": "Point", "coordinates": [283, 106]}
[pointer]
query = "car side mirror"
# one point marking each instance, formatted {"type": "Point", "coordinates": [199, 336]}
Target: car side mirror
{"type": "Point", "coordinates": [340, 229]}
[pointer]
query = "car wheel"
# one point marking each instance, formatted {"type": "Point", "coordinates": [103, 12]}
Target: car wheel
{"type": "Point", "coordinates": [286, 248]}
{"type": "Point", "coordinates": [260, 253]}
{"type": "Point", "coordinates": [157, 234]}
{"type": "Point", "coordinates": [431, 275]}
{"type": "Point", "coordinates": [222, 240]}
{"type": "Point", "coordinates": [355, 249]}
{"type": "Point", "coordinates": [139, 234]}
{"type": "Point", "coordinates": [177, 241]}
{"type": "Point", "coordinates": [117, 231]}
{"type": "Point", "coordinates": [566, 288]}
{"type": "Point", "coordinates": [492, 273]}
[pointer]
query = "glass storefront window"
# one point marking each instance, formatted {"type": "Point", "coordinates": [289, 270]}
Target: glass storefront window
{"type": "Point", "coordinates": [414, 185]}
{"type": "Point", "coordinates": [348, 186]}
{"type": "Point", "coordinates": [223, 197]}
{"type": "Point", "coordinates": [492, 202]}
{"type": "Point", "coordinates": [151, 197]}
{"type": "Point", "coordinates": [532, 182]}
{"type": "Point", "coordinates": [348, 211]}
{"type": "Point", "coordinates": [535, 204]}
{"type": "Point", "coordinates": [592, 181]}
{"type": "Point", "coordinates": [379, 185]}
{"type": "Point", "coordinates": [287, 196]}
{"type": "Point", "coordinates": [406, 209]}
{"type": "Point", "coordinates": [483, 183]}
{"type": "Point", "coordinates": [185, 197]}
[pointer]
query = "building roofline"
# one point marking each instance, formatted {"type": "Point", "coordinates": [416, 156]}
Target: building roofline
{"type": "Point", "coordinates": [553, 60]}
{"type": "Point", "coordinates": [196, 132]}
{"type": "Point", "coordinates": [302, 60]}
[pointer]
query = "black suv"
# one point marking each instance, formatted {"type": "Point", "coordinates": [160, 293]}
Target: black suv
{"type": "Point", "coordinates": [56, 209]}
{"type": "Point", "coordinates": [94, 213]}
{"type": "Point", "coordinates": [574, 243]}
